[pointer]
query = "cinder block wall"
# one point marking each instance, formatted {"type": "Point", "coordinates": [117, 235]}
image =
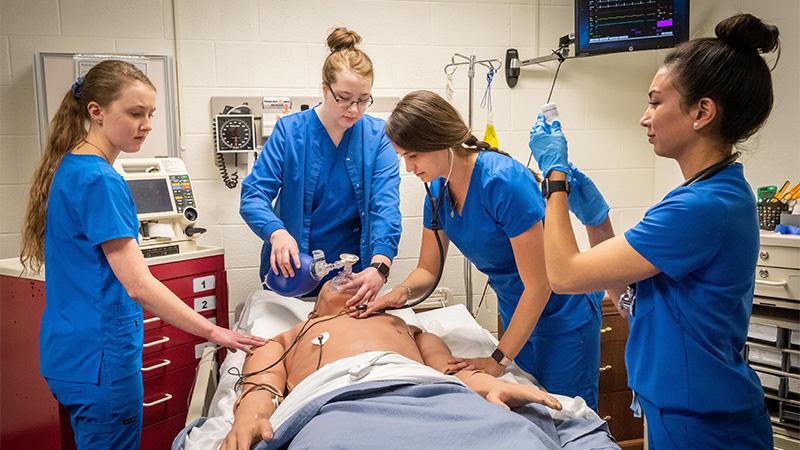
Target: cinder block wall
{"type": "Point", "coordinates": [251, 47]}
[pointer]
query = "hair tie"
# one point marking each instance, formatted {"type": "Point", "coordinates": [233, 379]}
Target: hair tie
{"type": "Point", "coordinates": [76, 87]}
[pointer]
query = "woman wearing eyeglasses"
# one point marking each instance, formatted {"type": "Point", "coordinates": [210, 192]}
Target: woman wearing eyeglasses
{"type": "Point", "coordinates": [337, 176]}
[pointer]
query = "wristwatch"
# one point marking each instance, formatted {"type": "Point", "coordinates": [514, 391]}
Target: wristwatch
{"type": "Point", "coordinates": [382, 269]}
{"type": "Point", "coordinates": [550, 186]}
{"type": "Point", "coordinates": [500, 357]}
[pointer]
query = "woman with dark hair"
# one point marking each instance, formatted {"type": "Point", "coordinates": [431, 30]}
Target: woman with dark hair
{"type": "Point", "coordinates": [490, 207]}
{"type": "Point", "coordinates": [328, 179]}
{"type": "Point", "coordinates": [689, 263]}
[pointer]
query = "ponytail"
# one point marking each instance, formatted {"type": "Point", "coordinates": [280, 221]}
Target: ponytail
{"type": "Point", "coordinates": [102, 84]}
{"type": "Point", "coordinates": [66, 131]}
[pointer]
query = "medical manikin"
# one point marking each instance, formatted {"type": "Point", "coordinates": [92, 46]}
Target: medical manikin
{"type": "Point", "coordinates": [331, 336]}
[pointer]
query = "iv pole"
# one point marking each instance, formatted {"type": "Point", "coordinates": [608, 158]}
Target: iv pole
{"type": "Point", "coordinates": [470, 61]}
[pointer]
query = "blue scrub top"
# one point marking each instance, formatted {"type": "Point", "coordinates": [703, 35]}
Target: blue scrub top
{"type": "Point", "coordinates": [503, 201]}
{"type": "Point", "coordinates": [335, 224]}
{"type": "Point", "coordinates": [290, 169]}
{"type": "Point", "coordinates": [690, 321]}
{"type": "Point", "coordinates": [88, 317]}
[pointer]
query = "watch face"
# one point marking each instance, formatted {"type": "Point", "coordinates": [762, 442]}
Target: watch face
{"type": "Point", "coordinates": [498, 355]}
{"type": "Point", "coordinates": [382, 268]}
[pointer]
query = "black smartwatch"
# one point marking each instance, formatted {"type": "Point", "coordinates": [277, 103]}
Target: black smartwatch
{"type": "Point", "coordinates": [550, 186]}
{"type": "Point", "coordinates": [500, 357]}
{"type": "Point", "coordinates": [382, 269]}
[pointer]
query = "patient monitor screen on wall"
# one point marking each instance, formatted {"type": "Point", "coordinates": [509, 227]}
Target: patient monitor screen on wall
{"type": "Point", "coordinates": [608, 26]}
{"type": "Point", "coordinates": [150, 196]}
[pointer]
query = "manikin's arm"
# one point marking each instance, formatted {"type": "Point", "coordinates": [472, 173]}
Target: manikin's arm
{"type": "Point", "coordinates": [436, 354]}
{"type": "Point", "coordinates": [254, 408]}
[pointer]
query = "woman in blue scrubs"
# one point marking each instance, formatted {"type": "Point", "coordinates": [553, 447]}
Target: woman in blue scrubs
{"type": "Point", "coordinates": [692, 258]}
{"type": "Point", "coordinates": [490, 207]}
{"type": "Point", "coordinates": [81, 223]}
{"type": "Point", "coordinates": [337, 176]}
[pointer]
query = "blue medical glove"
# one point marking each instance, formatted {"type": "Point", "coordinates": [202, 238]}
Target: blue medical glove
{"type": "Point", "coordinates": [549, 146]}
{"type": "Point", "coordinates": [585, 200]}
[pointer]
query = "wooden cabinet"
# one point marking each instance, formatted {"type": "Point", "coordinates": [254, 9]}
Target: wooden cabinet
{"type": "Point", "coordinates": [169, 359]}
{"type": "Point", "coordinates": [773, 339]}
{"type": "Point", "coordinates": [615, 396]}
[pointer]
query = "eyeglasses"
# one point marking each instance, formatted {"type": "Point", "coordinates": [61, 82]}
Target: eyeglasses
{"type": "Point", "coordinates": [360, 104]}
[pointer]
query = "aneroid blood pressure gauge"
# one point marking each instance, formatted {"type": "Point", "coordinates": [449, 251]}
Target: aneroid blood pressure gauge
{"type": "Point", "coordinates": [235, 132]}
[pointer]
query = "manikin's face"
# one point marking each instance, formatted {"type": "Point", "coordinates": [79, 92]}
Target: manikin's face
{"type": "Point", "coordinates": [127, 121]}
{"type": "Point", "coordinates": [427, 166]}
{"type": "Point", "coordinates": [330, 301]}
{"type": "Point", "coordinates": [348, 89]}
{"type": "Point", "coordinates": [669, 126]}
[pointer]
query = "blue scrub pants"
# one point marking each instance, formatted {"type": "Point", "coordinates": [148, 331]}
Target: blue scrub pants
{"type": "Point", "coordinates": [566, 363]}
{"type": "Point", "coordinates": [679, 430]}
{"type": "Point", "coordinates": [104, 415]}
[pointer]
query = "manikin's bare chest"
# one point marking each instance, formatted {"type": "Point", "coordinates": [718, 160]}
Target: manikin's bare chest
{"type": "Point", "coordinates": [343, 337]}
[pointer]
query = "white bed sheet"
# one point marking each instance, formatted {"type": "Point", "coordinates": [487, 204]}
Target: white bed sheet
{"type": "Point", "coordinates": [267, 314]}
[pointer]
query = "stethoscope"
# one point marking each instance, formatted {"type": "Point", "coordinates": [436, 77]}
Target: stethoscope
{"type": "Point", "coordinates": [628, 299]}
{"type": "Point", "coordinates": [436, 226]}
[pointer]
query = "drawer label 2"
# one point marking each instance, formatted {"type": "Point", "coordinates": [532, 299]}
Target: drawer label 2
{"type": "Point", "coordinates": [205, 303]}
{"type": "Point", "coordinates": [206, 283]}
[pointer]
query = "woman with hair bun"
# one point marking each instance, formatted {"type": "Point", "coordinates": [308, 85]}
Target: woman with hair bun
{"type": "Point", "coordinates": [690, 262]}
{"type": "Point", "coordinates": [335, 176]}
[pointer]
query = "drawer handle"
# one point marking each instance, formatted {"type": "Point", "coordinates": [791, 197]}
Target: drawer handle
{"type": "Point", "coordinates": [163, 363]}
{"type": "Point", "coordinates": [764, 255]}
{"type": "Point", "coordinates": [772, 283]}
{"type": "Point", "coordinates": [607, 418]}
{"type": "Point", "coordinates": [606, 367]}
{"type": "Point", "coordinates": [165, 398]}
{"type": "Point", "coordinates": [151, 320]}
{"type": "Point", "coordinates": [605, 330]}
{"type": "Point", "coordinates": [160, 341]}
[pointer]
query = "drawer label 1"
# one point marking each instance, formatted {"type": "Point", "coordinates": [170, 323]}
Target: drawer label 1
{"type": "Point", "coordinates": [206, 283]}
{"type": "Point", "coordinates": [205, 303]}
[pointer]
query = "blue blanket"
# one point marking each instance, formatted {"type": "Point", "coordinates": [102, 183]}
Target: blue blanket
{"type": "Point", "coordinates": [403, 415]}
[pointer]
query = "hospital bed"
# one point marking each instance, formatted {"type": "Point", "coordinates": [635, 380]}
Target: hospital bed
{"type": "Point", "coordinates": [266, 314]}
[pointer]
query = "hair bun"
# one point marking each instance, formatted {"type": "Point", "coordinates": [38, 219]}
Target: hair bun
{"type": "Point", "coordinates": [745, 31]}
{"type": "Point", "coordinates": [342, 39]}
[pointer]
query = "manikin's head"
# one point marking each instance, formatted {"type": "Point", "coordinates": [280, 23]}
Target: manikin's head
{"type": "Point", "coordinates": [330, 301]}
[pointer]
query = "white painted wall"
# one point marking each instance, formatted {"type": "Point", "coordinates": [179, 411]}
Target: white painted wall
{"type": "Point", "coordinates": [251, 47]}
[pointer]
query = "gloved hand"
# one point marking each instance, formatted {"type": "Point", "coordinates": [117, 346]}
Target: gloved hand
{"type": "Point", "coordinates": [549, 146]}
{"type": "Point", "coordinates": [585, 200]}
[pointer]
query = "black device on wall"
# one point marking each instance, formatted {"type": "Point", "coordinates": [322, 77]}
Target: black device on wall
{"type": "Point", "coordinates": [610, 26]}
